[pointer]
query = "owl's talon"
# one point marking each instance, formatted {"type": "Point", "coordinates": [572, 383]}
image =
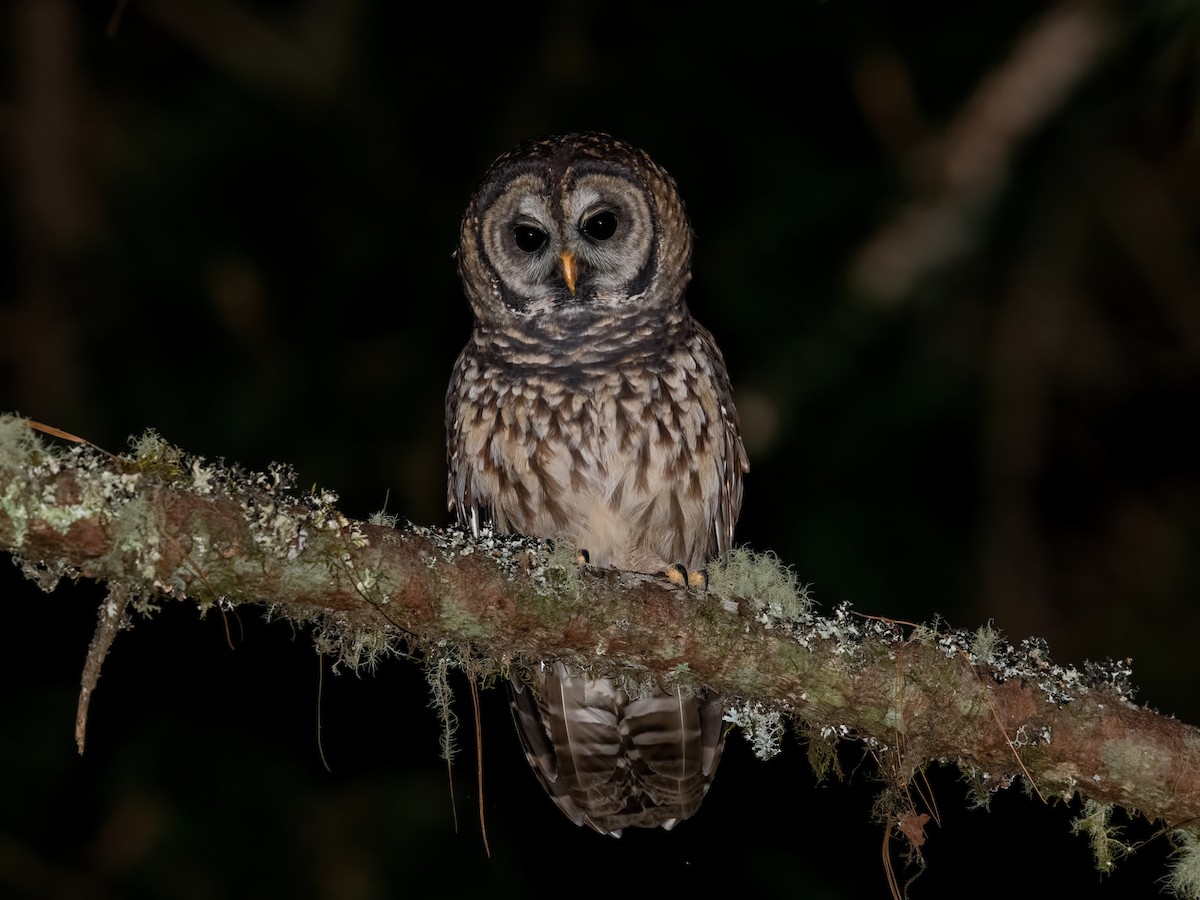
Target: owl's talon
{"type": "Point", "coordinates": [582, 557]}
{"type": "Point", "coordinates": [679, 575]}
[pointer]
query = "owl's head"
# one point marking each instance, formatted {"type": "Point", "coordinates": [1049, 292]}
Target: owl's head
{"type": "Point", "coordinates": [573, 227]}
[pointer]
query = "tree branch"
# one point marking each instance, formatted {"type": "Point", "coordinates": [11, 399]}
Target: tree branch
{"type": "Point", "coordinates": [158, 525]}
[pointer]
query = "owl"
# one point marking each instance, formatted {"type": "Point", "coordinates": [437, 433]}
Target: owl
{"type": "Point", "coordinates": [589, 407]}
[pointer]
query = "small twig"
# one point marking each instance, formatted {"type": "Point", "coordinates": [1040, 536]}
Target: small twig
{"type": "Point", "coordinates": [320, 698]}
{"type": "Point", "coordinates": [66, 436]}
{"type": "Point", "coordinates": [479, 764]}
{"type": "Point", "coordinates": [112, 612]}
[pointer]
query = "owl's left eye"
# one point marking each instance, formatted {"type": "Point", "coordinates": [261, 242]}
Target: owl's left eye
{"type": "Point", "coordinates": [528, 238]}
{"type": "Point", "coordinates": [601, 226]}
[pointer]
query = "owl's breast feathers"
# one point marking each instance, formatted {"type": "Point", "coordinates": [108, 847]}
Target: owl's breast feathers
{"type": "Point", "coordinates": [624, 443]}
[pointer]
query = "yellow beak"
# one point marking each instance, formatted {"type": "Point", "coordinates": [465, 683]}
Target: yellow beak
{"type": "Point", "coordinates": [568, 264]}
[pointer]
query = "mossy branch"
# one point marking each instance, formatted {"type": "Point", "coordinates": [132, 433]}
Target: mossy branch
{"type": "Point", "coordinates": [157, 525]}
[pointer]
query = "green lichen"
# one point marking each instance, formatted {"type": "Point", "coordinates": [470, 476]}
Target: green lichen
{"type": "Point", "coordinates": [30, 494]}
{"type": "Point", "coordinates": [984, 641]}
{"type": "Point", "coordinates": [137, 536]}
{"type": "Point", "coordinates": [979, 796]}
{"type": "Point", "coordinates": [1184, 880]}
{"type": "Point", "coordinates": [154, 456]}
{"type": "Point", "coordinates": [18, 445]}
{"type": "Point", "coordinates": [354, 648]}
{"type": "Point", "coordinates": [383, 519]}
{"type": "Point", "coordinates": [775, 595]}
{"type": "Point", "coordinates": [822, 754]}
{"type": "Point", "coordinates": [1103, 837]}
{"type": "Point", "coordinates": [437, 676]}
{"type": "Point", "coordinates": [463, 623]}
{"type": "Point", "coordinates": [1124, 757]}
{"type": "Point", "coordinates": [563, 571]}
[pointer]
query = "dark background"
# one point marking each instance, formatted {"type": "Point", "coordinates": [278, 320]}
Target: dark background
{"type": "Point", "coordinates": [960, 307]}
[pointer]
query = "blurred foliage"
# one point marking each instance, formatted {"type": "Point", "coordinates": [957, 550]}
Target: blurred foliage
{"type": "Point", "coordinates": [233, 222]}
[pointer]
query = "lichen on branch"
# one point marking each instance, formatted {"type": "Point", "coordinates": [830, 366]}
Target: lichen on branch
{"type": "Point", "coordinates": [158, 525]}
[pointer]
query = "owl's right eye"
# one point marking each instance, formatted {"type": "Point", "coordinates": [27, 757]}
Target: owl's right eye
{"type": "Point", "coordinates": [528, 238]}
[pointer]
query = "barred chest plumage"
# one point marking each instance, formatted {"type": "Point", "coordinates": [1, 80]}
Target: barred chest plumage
{"type": "Point", "coordinates": [615, 455]}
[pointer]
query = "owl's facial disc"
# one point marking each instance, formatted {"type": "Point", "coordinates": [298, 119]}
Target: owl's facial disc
{"type": "Point", "coordinates": [563, 242]}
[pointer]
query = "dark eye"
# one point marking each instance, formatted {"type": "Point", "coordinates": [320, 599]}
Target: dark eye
{"type": "Point", "coordinates": [528, 238]}
{"type": "Point", "coordinates": [601, 226]}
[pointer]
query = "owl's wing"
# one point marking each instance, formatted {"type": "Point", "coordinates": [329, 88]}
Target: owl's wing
{"type": "Point", "coordinates": [732, 462]}
{"type": "Point", "coordinates": [460, 480]}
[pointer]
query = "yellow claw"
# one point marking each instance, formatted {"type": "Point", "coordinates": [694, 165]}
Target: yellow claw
{"type": "Point", "coordinates": [686, 578]}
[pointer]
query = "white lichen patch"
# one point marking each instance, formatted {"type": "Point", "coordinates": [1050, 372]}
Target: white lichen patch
{"type": "Point", "coordinates": [515, 555]}
{"type": "Point", "coordinates": [761, 726]}
{"type": "Point", "coordinates": [1024, 736]}
{"type": "Point", "coordinates": [354, 648]}
{"type": "Point", "coordinates": [279, 521]}
{"type": "Point", "coordinates": [835, 732]}
{"type": "Point", "coordinates": [202, 478]}
{"type": "Point", "coordinates": [103, 491]}
{"type": "Point", "coordinates": [383, 519]}
{"type": "Point", "coordinates": [15, 511]}
{"type": "Point", "coordinates": [844, 629]}
{"type": "Point", "coordinates": [137, 536]}
{"type": "Point", "coordinates": [1031, 662]}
